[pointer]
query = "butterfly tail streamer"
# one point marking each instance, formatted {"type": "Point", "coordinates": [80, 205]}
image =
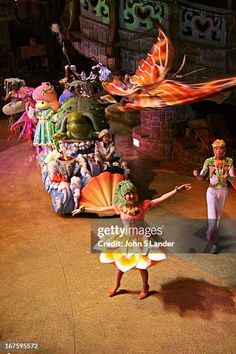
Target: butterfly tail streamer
{"type": "Point", "coordinates": [173, 93]}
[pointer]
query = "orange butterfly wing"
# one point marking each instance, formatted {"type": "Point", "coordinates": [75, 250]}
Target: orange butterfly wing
{"type": "Point", "coordinates": [119, 88]}
{"type": "Point", "coordinates": [155, 67]}
{"type": "Point", "coordinates": [151, 70]}
{"type": "Point", "coordinates": [148, 88]}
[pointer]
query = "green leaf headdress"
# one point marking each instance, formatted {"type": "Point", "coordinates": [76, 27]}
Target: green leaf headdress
{"type": "Point", "coordinates": [122, 189]}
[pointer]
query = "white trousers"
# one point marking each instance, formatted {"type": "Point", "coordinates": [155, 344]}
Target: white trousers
{"type": "Point", "coordinates": [215, 204]}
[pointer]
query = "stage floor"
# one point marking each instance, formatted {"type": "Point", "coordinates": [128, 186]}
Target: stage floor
{"type": "Point", "coordinates": [54, 290]}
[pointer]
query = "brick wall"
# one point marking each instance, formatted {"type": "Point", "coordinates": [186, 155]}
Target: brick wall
{"type": "Point", "coordinates": [155, 132]}
{"type": "Point", "coordinates": [154, 135]}
{"type": "Point", "coordinates": [206, 34]}
{"type": "Point", "coordinates": [93, 39]}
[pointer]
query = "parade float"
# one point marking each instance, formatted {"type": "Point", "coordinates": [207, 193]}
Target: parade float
{"type": "Point", "coordinates": [74, 146]}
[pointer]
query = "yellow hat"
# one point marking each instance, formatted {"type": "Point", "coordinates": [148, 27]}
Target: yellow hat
{"type": "Point", "coordinates": [218, 143]}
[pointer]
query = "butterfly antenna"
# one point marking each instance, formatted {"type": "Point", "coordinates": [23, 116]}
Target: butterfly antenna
{"type": "Point", "coordinates": [191, 72]}
{"type": "Point", "coordinates": [181, 66]}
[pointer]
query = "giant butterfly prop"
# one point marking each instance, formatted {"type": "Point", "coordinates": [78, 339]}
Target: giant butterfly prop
{"type": "Point", "coordinates": [149, 87]}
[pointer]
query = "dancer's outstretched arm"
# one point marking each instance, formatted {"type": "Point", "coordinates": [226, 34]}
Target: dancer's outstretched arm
{"type": "Point", "coordinates": [95, 210]}
{"type": "Point", "coordinates": [186, 186]}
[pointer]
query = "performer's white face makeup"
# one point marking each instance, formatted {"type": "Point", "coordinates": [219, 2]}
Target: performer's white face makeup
{"type": "Point", "coordinates": [131, 197]}
{"type": "Point", "coordinates": [219, 152]}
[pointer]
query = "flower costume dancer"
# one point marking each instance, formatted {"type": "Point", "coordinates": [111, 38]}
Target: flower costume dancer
{"type": "Point", "coordinates": [132, 213]}
{"type": "Point", "coordinates": [220, 169]}
{"type": "Point", "coordinates": [46, 105]}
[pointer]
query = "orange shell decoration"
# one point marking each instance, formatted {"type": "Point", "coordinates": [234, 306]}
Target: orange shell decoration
{"type": "Point", "coordinates": [100, 191]}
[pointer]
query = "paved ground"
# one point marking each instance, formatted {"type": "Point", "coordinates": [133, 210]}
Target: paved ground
{"type": "Point", "coordinates": [53, 289]}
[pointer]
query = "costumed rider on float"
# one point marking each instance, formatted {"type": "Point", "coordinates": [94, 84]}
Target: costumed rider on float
{"type": "Point", "coordinates": [106, 156]}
